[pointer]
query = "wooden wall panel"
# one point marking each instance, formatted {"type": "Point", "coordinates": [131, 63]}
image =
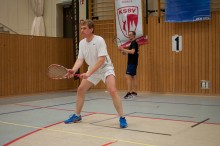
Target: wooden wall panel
{"type": "Point", "coordinates": [217, 61]}
{"type": "Point", "coordinates": [196, 62]}
{"type": "Point", "coordinates": [24, 62]}
{"type": "Point", "coordinates": [162, 71]}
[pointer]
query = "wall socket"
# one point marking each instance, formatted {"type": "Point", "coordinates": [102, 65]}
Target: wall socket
{"type": "Point", "coordinates": [204, 84]}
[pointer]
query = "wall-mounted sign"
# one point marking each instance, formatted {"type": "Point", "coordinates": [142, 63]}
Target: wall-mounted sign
{"type": "Point", "coordinates": [177, 43]}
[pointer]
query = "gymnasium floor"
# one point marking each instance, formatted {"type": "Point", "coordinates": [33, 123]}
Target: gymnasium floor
{"type": "Point", "coordinates": [153, 120]}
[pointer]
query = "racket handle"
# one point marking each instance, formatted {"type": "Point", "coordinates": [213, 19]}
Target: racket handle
{"type": "Point", "coordinates": [77, 75]}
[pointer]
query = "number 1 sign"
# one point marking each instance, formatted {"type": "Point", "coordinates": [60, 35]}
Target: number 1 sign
{"type": "Point", "coordinates": [177, 43]}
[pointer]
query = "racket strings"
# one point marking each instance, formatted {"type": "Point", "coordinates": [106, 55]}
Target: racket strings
{"type": "Point", "coordinates": [57, 72]}
{"type": "Point", "coordinates": [117, 41]}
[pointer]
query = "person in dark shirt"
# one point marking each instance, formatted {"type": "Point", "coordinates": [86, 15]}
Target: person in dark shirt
{"type": "Point", "coordinates": [132, 64]}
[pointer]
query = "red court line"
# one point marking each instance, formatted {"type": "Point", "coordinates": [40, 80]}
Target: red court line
{"type": "Point", "coordinates": [34, 106]}
{"type": "Point", "coordinates": [109, 143]}
{"type": "Point", "coordinates": [90, 113]}
{"type": "Point", "coordinates": [23, 136]}
{"type": "Point", "coordinates": [35, 131]}
{"type": "Point", "coordinates": [115, 114]}
{"type": "Point", "coordinates": [175, 120]}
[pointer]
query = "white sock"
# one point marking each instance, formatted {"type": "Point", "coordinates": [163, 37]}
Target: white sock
{"type": "Point", "coordinates": [77, 115]}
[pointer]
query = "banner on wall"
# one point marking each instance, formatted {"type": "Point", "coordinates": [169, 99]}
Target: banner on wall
{"type": "Point", "coordinates": [187, 10]}
{"type": "Point", "coordinates": [129, 18]}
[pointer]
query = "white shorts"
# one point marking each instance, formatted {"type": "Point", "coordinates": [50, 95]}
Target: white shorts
{"type": "Point", "coordinates": [96, 77]}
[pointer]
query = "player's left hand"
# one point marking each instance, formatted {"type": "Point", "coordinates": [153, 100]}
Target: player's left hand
{"type": "Point", "coordinates": [84, 75]}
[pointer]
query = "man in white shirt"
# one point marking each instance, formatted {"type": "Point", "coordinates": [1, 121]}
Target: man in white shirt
{"type": "Point", "coordinates": [93, 50]}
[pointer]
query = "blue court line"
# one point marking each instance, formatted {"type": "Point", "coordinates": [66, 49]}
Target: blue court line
{"type": "Point", "coordinates": [135, 100]}
{"type": "Point", "coordinates": [181, 103]}
{"type": "Point", "coordinates": [158, 133]}
{"type": "Point", "coordinates": [110, 118]}
{"type": "Point", "coordinates": [41, 107]}
{"type": "Point", "coordinates": [20, 111]}
{"type": "Point", "coordinates": [30, 109]}
{"type": "Point", "coordinates": [142, 113]}
{"type": "Point", "coordinates": [166, 115]}
{"type": "Point", "coordinates": [169, 102]}
{"type": "Point", "coordinates": [95, 124]}
{"type": "Point", "coordinates": [70, 102]}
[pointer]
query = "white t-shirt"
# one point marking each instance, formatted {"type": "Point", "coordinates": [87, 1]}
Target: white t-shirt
{"type": "Point", "coordinates": [91, 51]}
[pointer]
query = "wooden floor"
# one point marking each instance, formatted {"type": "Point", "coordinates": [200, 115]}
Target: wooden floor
{"type": "Point", "coordinates": [153, 120]}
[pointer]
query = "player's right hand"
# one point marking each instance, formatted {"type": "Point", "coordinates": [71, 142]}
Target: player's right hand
{"type": "Point", "coordinates": [70, 73]}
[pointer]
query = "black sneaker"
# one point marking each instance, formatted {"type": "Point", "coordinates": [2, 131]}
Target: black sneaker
{"type": "Point", "coordinates": [134, 93]}
{"type": "Point", "coordinates": [128, 95]}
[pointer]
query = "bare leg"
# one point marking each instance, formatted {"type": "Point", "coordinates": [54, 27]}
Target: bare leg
{"type": "Point", "coordinates": [134, 83]}
{"type": "Point", "coordinates": [81, 91]}
{"type": "Point", "coordinates": [129, 82]}
{"type": "Point", "coordinates": [111, 86]}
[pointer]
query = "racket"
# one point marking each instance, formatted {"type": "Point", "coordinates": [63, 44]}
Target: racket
{"type": "Point", "coordinates": [56, 71]}
{"type": "Point", "coordinates": [117, 41]}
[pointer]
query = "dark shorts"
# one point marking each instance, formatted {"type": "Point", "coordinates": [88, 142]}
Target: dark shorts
{"type": "Point", "coordinates": [131, 69]}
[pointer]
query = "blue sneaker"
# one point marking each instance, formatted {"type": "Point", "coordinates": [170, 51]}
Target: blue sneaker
{"type": "Point", "coordinates": [73, 119]}
{"type": "Point", "coordinates": [123, 122]}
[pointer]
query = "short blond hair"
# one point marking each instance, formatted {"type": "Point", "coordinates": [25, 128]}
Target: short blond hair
{"type": "Point", "coordinates": [88, 22]}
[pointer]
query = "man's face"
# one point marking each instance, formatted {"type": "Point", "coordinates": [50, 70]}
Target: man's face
{"type": "Point", "coordinates": [86, 31]}
{"type": "Point", "coordinates": [131, 36]}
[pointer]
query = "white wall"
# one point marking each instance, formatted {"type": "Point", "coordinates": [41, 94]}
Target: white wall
{"type": "Point", "coordinates": [52, 14]}
{"type": "Point", "coordinates": [82, 10]}
{"type": "Point", "coordinates": [18, 16]}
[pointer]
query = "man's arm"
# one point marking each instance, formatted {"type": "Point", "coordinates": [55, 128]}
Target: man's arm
{"type": "Point", "coordinates": [77, 65]}
{"type": "Point", "coordinates": [132, 51]}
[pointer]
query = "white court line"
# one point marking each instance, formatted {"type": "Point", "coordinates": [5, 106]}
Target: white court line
{"type": "Point", "coordinates": [80, 134]}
